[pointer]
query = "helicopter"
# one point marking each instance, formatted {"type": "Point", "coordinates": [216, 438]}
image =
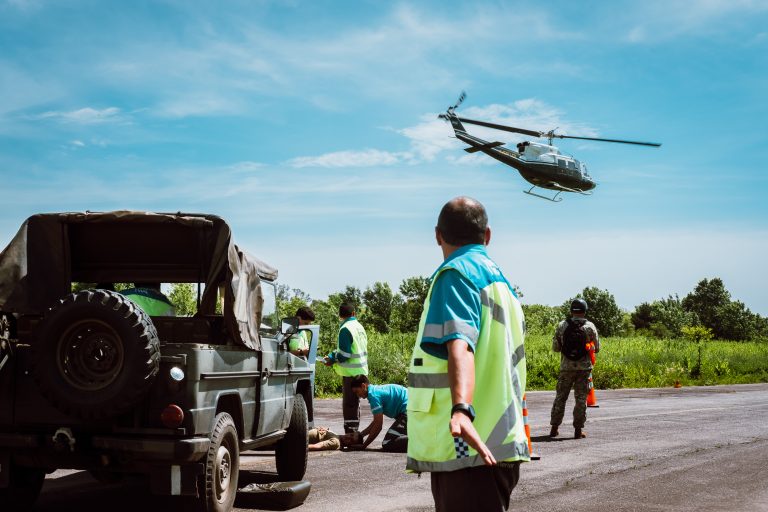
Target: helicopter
{"type": "Point", "coordinates": [541, 165]}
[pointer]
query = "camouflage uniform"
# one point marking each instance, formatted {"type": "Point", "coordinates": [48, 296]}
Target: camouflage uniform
{"type": "Point", "coordinates": [573, 374]}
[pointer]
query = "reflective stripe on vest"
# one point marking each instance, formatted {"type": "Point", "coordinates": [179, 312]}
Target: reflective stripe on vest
{"type": "Point", "coordinates": [499, 379]}
{"type": "Point", "coordinates": [357, 360]}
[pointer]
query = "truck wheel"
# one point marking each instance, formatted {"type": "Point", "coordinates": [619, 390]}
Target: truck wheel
{"type": "Point", "coordinates": [95, 354]}
{"type": "Point", "coordinates": [23, 488]}
{"type": "Point", "coordinates": [291, 451]}
{"type": "Point", "coordinates": [216, 493]}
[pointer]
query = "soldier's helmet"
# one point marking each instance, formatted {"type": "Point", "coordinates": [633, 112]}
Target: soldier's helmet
{"type": "Point", "coordinates": [578, 306]}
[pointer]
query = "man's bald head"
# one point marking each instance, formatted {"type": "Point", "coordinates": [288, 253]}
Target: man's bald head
{"type": "Point", "coordinates": [463, 221]}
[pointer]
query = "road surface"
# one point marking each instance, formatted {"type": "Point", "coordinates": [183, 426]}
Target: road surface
{"type": "Point", "coordinates": [689, 449]}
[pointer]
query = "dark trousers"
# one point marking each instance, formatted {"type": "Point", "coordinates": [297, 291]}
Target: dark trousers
{"type": "Point", "coordinates": [350, 406]}
{"type": "Point", "coordinates": [475, 489]}
{"type": "Point", "coordinates": [579, 381]}
{"type": "Point", "coordinates": [396, 438]}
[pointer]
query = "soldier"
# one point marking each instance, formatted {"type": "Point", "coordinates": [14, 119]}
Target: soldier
{"type": "Point", "coordinates": [571, 338]}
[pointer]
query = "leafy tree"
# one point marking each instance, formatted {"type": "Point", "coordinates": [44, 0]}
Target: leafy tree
{"type": "Point", "coordinates": [540, 319]}
{"type": "Point", "coordinates": [352, 295]}
{"type": "Point", "coordinates": [290, 299]}
{"type": "Point", "coordinates": [379, 301]}
{"type": "Point", "coordinates": [184, 298]}
{"type": "Point", "coordinates": [727, 319]}
{"type": "Point", "coordinates": [408, 307]}
{"type": "Point", "coordinates": [602, 310]}
{"type": "Point", "coordinates": [707, 300]}
{"type": "Point", "coordinates": [736, 322]}
{"type": "Point", "coordinates": [642, 316]}
{"type": "Point", "coordinates": [663, 318]}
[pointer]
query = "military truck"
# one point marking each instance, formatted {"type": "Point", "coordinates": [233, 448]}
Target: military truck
{"type": "Point", "coordinates": [89, 381]}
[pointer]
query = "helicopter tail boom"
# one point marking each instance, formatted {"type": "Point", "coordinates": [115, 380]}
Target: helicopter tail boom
{"type": "Point", "coordinates": [481, 147]}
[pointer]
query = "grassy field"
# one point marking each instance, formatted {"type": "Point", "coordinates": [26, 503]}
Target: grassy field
{"type": "Point", "coordinates": [635, 362]}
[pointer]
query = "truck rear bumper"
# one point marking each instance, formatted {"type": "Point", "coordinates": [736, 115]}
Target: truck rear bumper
{"type": "Point", "coordinates": [152, 449]}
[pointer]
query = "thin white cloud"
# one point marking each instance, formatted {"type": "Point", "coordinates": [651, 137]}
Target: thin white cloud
{"type": "Point", "coordinates": [199, 104]}
{"type": "Point", "coordinates": [364, 158]}
{"type": "Point", "coordinates": [85, 115]}
{"type": "Point", "coordinates": [433, 137]}
{"type": "Point", "coordinates": [249, 60]}
{"type": "Point", "coordinates": [661, 20]}
{"type": "Point", "coordinates": [77, 143]}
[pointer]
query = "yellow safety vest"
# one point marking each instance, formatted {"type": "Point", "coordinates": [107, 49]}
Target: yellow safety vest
{"type": "Point", "coordinates": [299, 341]}
{"type": "Point", "coordinates": [500, 374]}
{"type": "Point", "coordinates": [357, 362]}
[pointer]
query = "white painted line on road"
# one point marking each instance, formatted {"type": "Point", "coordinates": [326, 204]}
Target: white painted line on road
{"type": "Point", "coordinates": [678, 411]}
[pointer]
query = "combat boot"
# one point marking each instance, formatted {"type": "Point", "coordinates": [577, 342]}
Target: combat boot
{"type": "Point", "coordinates": [553, 431]}
{"type": "Point", "coordinates": [579, 433]}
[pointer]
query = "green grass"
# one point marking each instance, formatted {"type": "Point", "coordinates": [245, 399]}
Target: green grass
{"type": "Point", "coordinates": [634, 362]}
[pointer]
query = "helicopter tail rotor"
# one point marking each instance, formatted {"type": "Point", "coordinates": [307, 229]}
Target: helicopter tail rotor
{"type": "Point", "coordinates": [461, 99]}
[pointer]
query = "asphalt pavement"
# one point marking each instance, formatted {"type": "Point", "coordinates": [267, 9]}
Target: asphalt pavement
{"type": "Point", "coordinates": [688, 449]}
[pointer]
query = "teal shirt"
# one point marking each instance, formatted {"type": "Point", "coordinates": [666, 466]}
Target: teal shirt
{"type": "Point", "coordinates": [388, 399]}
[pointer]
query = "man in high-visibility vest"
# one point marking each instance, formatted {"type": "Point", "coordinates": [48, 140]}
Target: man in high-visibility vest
{"type": "Point", "coordinates": [349, 359]}
{"type": "Point", "coordinates": [467, 375]}
{"type": "Point", "coordinates": [298, 345]}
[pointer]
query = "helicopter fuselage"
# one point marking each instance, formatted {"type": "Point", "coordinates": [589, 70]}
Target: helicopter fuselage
{"type": "Point", "coordinates": [539, 164]}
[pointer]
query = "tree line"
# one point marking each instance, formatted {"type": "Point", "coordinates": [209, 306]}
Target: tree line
{"type": "Point", "coordinates": [708, 311]}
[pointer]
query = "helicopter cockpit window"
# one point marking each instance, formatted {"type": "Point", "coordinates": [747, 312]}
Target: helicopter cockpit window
{"type": "Point", "coordinates": [571, 164]}
{"type": "Point", "coordinates": [561, 163]}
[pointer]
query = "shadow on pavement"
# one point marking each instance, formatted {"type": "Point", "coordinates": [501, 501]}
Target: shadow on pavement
{"type": "Point", "coordinates": [547, 439]}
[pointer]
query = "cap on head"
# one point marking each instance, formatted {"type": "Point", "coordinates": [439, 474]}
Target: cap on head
{"type": "Point", "coordinates": [578, 306]}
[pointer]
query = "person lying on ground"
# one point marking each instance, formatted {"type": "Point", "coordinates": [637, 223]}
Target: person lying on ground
{"type": "Point", "coordinates": [321, 438]}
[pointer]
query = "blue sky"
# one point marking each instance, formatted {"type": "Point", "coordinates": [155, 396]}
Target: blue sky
{"type": "Point", "coordinates": [311, 126]}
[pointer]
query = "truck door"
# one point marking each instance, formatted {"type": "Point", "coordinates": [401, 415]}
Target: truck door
{"type": "Point", "coordinates": [274, 367]}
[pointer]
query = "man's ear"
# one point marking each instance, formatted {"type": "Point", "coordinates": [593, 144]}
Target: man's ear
{"type": "Point", "coordinates": [487, 235]}
{"type": "Point", "coordinates": [438, 237]}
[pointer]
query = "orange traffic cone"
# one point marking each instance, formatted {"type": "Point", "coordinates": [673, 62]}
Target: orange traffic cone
{"type": "Point", "coordinates": [591, 398]}
{"type": "Point", "coordinates": [528, 431]}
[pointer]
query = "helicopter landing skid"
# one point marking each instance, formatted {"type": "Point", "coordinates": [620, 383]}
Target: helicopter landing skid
{"type": "Point", "coordinates": [560, 190]}
{"type": "Point", "coordinates": [554, 198]}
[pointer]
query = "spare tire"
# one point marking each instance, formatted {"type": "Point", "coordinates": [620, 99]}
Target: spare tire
{"type": "Point", "coordinates": [95, 354]}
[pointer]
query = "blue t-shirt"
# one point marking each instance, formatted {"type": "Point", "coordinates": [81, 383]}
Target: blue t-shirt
{"type": "Point", "coordinates": [455, 305]}
{"type": "Point", "coordinates": [388, 399]}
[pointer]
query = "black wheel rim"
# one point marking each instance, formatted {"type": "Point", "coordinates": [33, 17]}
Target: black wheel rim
{"type": "Point", "coordinates": [90, 355]}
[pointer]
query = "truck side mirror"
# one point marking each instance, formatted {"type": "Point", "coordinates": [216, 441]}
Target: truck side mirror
{"type": "Point", "coordinates": [289, 325]}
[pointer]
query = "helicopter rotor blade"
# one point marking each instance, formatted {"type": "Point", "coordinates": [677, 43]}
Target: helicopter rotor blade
{"type": "Point", "coordinates": [502, 127]}
{"type": "Point", "coordinates": [461, 99]}
{"type": "Point", "coordinates": [620, 141]}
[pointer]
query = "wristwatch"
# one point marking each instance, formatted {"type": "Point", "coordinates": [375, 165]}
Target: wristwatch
{"type": "Point", "coordinates": [464, 409]}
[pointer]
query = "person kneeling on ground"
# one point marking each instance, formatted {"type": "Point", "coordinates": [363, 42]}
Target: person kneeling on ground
{"type": "Point", "coordinates": [389, 400]}
{"type": "Point", "coordinates": [321, 438]}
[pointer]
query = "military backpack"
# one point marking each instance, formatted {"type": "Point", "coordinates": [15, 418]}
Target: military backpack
{"type": "Point", "coordinates": [575, 339]}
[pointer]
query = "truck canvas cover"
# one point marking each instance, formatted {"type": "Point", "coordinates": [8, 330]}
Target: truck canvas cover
{"type": "Point", "coordinates": [51, 251]}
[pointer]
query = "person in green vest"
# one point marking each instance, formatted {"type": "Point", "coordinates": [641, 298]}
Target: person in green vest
{"type": "Point", "coordinates": [149, 298]}
{"type": "Point", "coordinates": [299, 343]}
{"type": "Point", "coordinates": [349, 359]}
{"type": "Point", "coordinates": [467, 374]}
